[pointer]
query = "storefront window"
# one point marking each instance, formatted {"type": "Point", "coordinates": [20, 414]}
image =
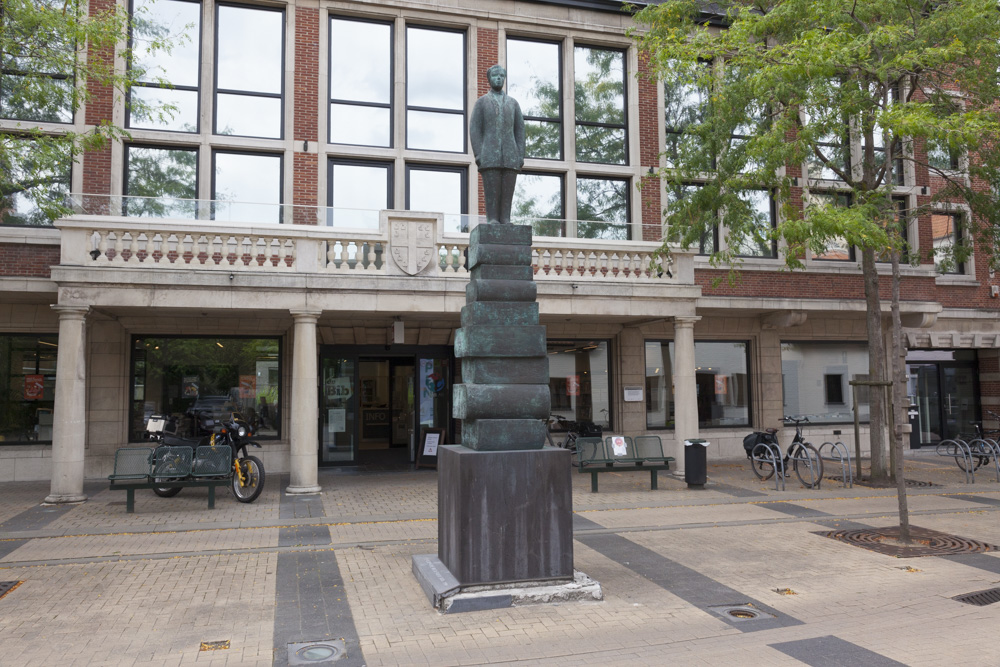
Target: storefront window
{"type": "Point", "coordinates": [191, 380]}
{"type": "Point", "coordinates": [579, 381]}
{"type": "Point", "coordinates": [721, 378]}
{"type": "Point", "coordinates": [815, 379]}
{"type": "Point", "coordinates": [28, 376]}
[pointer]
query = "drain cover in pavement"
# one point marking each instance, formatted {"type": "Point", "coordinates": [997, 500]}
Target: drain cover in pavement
{"type": "Point", "coordinates": [316, 653]}
{"type": "Point", "coordinates": [926, 542]}
{"type": "Point", "coordinates": [980, 598]}
{"type": "Point", "coordinates": [8, 586]}
{"type": "Point", "coordinates": [740, 612]}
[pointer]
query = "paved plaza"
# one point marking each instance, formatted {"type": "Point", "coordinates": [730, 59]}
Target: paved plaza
{"type": "Point", "coordinates": [102, 587]}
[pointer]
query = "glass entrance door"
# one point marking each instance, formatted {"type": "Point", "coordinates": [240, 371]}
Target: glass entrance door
{"type": "Point", "coordinates": [944, 395]}
{"type": "Point", "coordinates": [338, 410]}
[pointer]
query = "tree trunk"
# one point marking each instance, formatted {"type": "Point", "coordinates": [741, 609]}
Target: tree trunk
{"type": "Point", "coordinates": [876, 369]}
{"type": "Point", "coordinates": [899, 400]}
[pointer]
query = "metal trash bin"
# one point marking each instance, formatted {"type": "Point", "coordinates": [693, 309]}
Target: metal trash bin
{"type": "Point", "coordinates": [695, 463]}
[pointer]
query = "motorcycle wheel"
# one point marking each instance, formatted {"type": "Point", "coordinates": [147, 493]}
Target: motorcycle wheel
{"type": "Point", "coordinates": [166, 491]}
{"type": "Point", "coordinates": [253, 472]}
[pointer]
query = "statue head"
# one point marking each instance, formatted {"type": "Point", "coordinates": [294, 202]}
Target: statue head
{"type": "Point", "coordinates": [496, 75]}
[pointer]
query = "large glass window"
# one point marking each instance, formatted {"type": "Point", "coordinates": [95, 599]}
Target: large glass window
{"type": "Point", "coordinates": [246, 187]}
{"type": "Point", "coordinates": [721, 374]}
{"type": "Point", "coordinates": [602, 208]}
{"type": "Point", "coordinates": [538, 201]}
{"type": "Point", "coordinates": [37, 63]}
{"type": "Point", "coordinates": [191, 380]}
{"type": "Point", "coordinates": [757, 241]}
{"type": "Point", "coordinates": [815, 379]}
{"type": "Point", "coordinates": [39, 194]}
{"type": "Point", "coordinates": [837, 248]}
{"type": "Point", "coordinates": [161, 182]}
{"type": "Point", "coordinates": [435, 90]}
{"type": "Point", "coordinates": [579, 381]}
{"type": "Point", "coordinates": [28, 381]}
{"type": "Point", "coordinates": [676, 194]}
{"type": "Point", "coordinates": [358, 191]}
{"type": "Point", "coordinates": [534, 79]}
{"type": "Point", "coordinates": [165, 77]}
{"type": "Point", "coordinates": [684, 104]}
{"type": "Point", "coordinates": [438, 189]}
{"type": "Point", "coordinates": [360, 82]}
{"type": "Point", "coordinates": [250, 45]}
{"type": "Point", "coordinates": [600, 105]}
{"type": "Point", "coordinates": [946, 232]}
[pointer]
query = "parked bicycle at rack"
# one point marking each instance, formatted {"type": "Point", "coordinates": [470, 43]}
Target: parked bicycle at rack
{"type": "Point", "coordinates": [570, 432]}
{"type": "Point", "coordinates": [764, 452]}
{"type": "Point", "coordinates": [975, 453]}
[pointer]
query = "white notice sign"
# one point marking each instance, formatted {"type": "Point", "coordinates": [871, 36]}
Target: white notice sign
{"type": "Point", "coordinates": [431, 444]}
{"type": "Point", "coordinates": [336, 420]}
{"type": "Point", "coordinates": [633, 394]}
{"type": "Point", "coordinates": [618, 446]}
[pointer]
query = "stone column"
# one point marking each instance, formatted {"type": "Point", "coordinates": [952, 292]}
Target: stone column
{"type": "Point", "coordinates": [685, 387]}
{"type": "Point", "coordinates": [304, 464]}
{"type": "Point", "coordinates": [69, 425]}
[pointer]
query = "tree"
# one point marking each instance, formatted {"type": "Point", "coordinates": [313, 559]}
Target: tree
{"type": "Point", "coordinates": [45, 77]}
{"type": "Point", "coordinates": [859, 91]}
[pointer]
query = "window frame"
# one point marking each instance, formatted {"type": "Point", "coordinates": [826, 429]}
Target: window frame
{"type": "Point", "coordinates": [562, 200]}
{"type": "Point", "coordinates": [560, 120]}
{"type": "Point", "coordinates": [391, 105]}
{"type": "Point", "coordinates": [627, 225]}
{"type": "Point", "coordinates": [864, 397]}
{"type": "Point", "coordinates": [837, 195]}
{"type": "Point", "coordinates": [55, 347]}
{"type": "Point", "coordinates": [956, 239]}
{"type": "Point", "coordinates": [463, 170]}
{"type": "Point", "coordinates": [126, 162]}
{"type": "Point", "coordinates": [772, 205]}
{"type": "Point", "coordinates": [333, 161]}
{"type": "Point", "coordinates": [281, 179]}
{"type": "Point", "coordinates": [465, 93]}
{"type": "Point", "coordinates": [609, 346]}
{"type": "Point", "coordinates": [625, 93]}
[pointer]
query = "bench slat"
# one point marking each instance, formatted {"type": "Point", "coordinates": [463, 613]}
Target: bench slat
{"type": "Point", "coordinates": [132, 463]}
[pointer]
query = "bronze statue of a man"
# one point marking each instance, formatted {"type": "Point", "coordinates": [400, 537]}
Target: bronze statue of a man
{"type": "Point", "coordinates": [497, 134]}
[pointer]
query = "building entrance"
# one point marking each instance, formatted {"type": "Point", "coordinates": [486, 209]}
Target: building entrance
{"type": "Point", "coordinates": [374, 402]}
{"type": "Point", "coordinates": [944, 395]}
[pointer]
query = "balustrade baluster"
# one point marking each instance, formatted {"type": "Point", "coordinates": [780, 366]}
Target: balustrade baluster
{"type": "Point", "coordinates": [102, 247]}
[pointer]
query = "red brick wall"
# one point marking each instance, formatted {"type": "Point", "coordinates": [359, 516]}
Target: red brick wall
{"type": "Point", "coordinates": [649, 152]}
{"type": "Point", "coordinates": [305, 166]}
{"type": "Point", "coordinates": [97, 164]}
{"type": "Point", "coordinates": [487, 56]}
{"type": "Point", "coordinates": [34, 261]}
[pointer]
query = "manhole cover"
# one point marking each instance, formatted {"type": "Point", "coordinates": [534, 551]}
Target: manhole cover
{"type": "Point", "coordinates": [980, 598]}
{"type": "Point", "coordinates": [8, 586]}
{"type": "Point", "coordinates": [926, 542]}
{"type": "Point", "coordinates": [740, 612]}
{"type": "Point", "coordinates": [316, 653]}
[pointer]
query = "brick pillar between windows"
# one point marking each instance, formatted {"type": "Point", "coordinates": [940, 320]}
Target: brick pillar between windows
{"type": "Point", "coordinates": [649, 152]}
{"type": "Point", "coordinates": [97, 164]}
{"type": "Point", "coordinates": [305, 166]}
{"type": "Point", "coordinates": [488, 55]}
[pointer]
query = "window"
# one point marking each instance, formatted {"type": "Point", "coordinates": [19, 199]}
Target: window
{"type": "Point", "coordinates": [902, 213]}
{"type": "Point", "coordinates": [677, 194]}
{"type": "Point", "coordinates": [721, 379]}
{"type": "Point", "coordinates": [358, 191]}
{"type": "Point", "coordinates": [246, 187]}
{"type": "Point", "coordinates": [28, 376]}
{"type": "Point", "coordinates": [360, 82]}
{"type": "Point", "coordinates": [758, 242]}
{"type": "Point", "coordinates": [249, 68]}
{"type": "Point", "coordinates": [38, 196]}
{"type": "Point", "coordinates": [837, 249]}
{"type": "Point", "coordinates": [684, 104]}
{"type": "Point", "coordinates": [165, 77]}
{"type": "Point", "coordinates": [534, 80]}
{"type": "Point", "coordinates": [832, 142]}
{"type": "Point", "coordinates": [190, 380]}
{"type": "Point", "coordinates": [600, 105]}
{"type": "Point", "coordinates": [602, 208]}
{"type": "Point", "coordinates": [946, 233]}
{"type": "Point", "coordinates": [815, 379]}
{"type": "Point", "coordinates": [942, 157]}
{"type": "Point", "coordinates": [538, 201]}
{"type": "Point", "coordinates": [435, 90]}
{"type": "Point", "coordinates": [161, 182]}
{"type": "Point", "coordinates": [579, 381]}
{"type": "Point", "coordinates": [36, 71]}
{"type": "Point", "coordinates": [439, 189]}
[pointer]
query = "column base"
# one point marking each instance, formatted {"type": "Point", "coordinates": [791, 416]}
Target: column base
{"type": "Point", "coordinates": [63, 498]}
{"type": "Point", "coordinates": [302, 490]}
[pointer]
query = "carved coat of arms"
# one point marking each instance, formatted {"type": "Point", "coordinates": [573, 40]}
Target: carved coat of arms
{"type": "Point", "coordinates": [411, 245]}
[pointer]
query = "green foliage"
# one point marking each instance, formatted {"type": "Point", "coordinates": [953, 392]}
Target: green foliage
{"type": "Point", "coordinates": [789, 82]}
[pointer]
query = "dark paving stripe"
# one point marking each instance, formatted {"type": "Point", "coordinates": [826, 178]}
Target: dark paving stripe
{"type": "Point", "coordinates": [580, 523]}
{"type": "Point", "coordinates": [9, 546]}
{"type": "Point", "coordinates": [832, 651]}
{"type": "Point", "coordinates": [300, 536]}
{"type": "Point", "coordinates": [980, 561]}
{"type": "Point", "coordinates": [972, 499]}
{"type": "Point", "coordinates": [798, 511]}
{"type": "Point", "coordinates": [299, 507]}
{"type": "Point", "coordinates": [38, 517]}
{"type": "Point", "coordinates": [688, 584]}
{"type": "Point", "coordinates": [311, 605]}
{"type": "Point", "coordinates": [735, 491]}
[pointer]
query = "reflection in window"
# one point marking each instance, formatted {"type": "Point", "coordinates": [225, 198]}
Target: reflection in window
{"type": "Point", "coordinates": [161, 182]}
{"type": "Point", "coordinates": [360, 82]}
{"type": "Point", "coordinates": [602, 208]}
{"type": "Point", "coordinates": [28, 378]}
{"type": "Point", "coordinates": [247, 187]}
{"type": "Point", "coordinates": [358, 191]}
{"type": "Point", "coordinates": [435, 90]}
{"type": "Point", "coordinates": [38, 56]}
{"type": "Point", "coordinates": [946, 232]}
{"type": "Point", "coordinates": [600, 105]}
{"type": "Point", "coordinates": [579, 381]}
{"type": "Point", "coordinates": [684, 104]}
{"type": "Point", "coordinates": [438, 191]}
{"type": "Point", "coordinates": [677, 194]}
{"type": "Point", "coordinates": [538, 201]}
{"type": "Point", "coordinates": [832, 141]}
{"type": "Point", "coordinates": [815, 378]}
{"type": "Point", "coordinates": [722, 384]}
{"type": "Point", "coordinates": [756, 242]}
{"type": "Point", "coordinates": [837, 249]}
{"type": "Point", "coordinates": [942, 157]}
{"type": "Point", "coordinates": [533, 79]}
{"type": "Point", "coordinates": [37, 195]}
{"type": "Point", "coordinates": [248, 71]}
{"type": "Point", "coordinates": [165, 77]}
{"type": "Point", "coordinates": [196, 381]}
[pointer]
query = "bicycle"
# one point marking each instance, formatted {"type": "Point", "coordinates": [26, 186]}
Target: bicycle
{"type": "Point", "coordinates": [561, 425]}
{"type": "Point", "coordinates": [765, 451]}
{"type": "Point", "coordinates": [981, 447]}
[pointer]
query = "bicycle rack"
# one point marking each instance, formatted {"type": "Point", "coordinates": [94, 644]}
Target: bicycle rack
{"type": "Point", "coordinates": [984, 447]}
{"type": "Point", "coordinates": [958, 449]}
{"type": "Point", "coordinates": [843, 456]}
{"type": "Point", "coordinates": [814, 483]}
{"type": "Point", "coordinates": [774, 458]}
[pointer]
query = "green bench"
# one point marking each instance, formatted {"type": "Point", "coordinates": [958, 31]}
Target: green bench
{"type": "Point", "coordinates": [171, 467]}
{"type": "Point", "coordinates": [621, 454]}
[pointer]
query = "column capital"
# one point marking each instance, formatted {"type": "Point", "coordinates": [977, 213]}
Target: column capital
{"type": "Point", "coordinates": [69, 311]}
{"type": "Point", "coordinates": [685, 320]}
{"type": "Point", "coordinates": [306, 314]}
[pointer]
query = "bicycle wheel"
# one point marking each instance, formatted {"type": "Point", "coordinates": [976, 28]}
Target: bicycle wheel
{"type": "Point", "coordinates": [980, 456]}
{"type": "Point", "coordinates": [799, 453]}
{"type": "Point", "coordinates": [763, 469]}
